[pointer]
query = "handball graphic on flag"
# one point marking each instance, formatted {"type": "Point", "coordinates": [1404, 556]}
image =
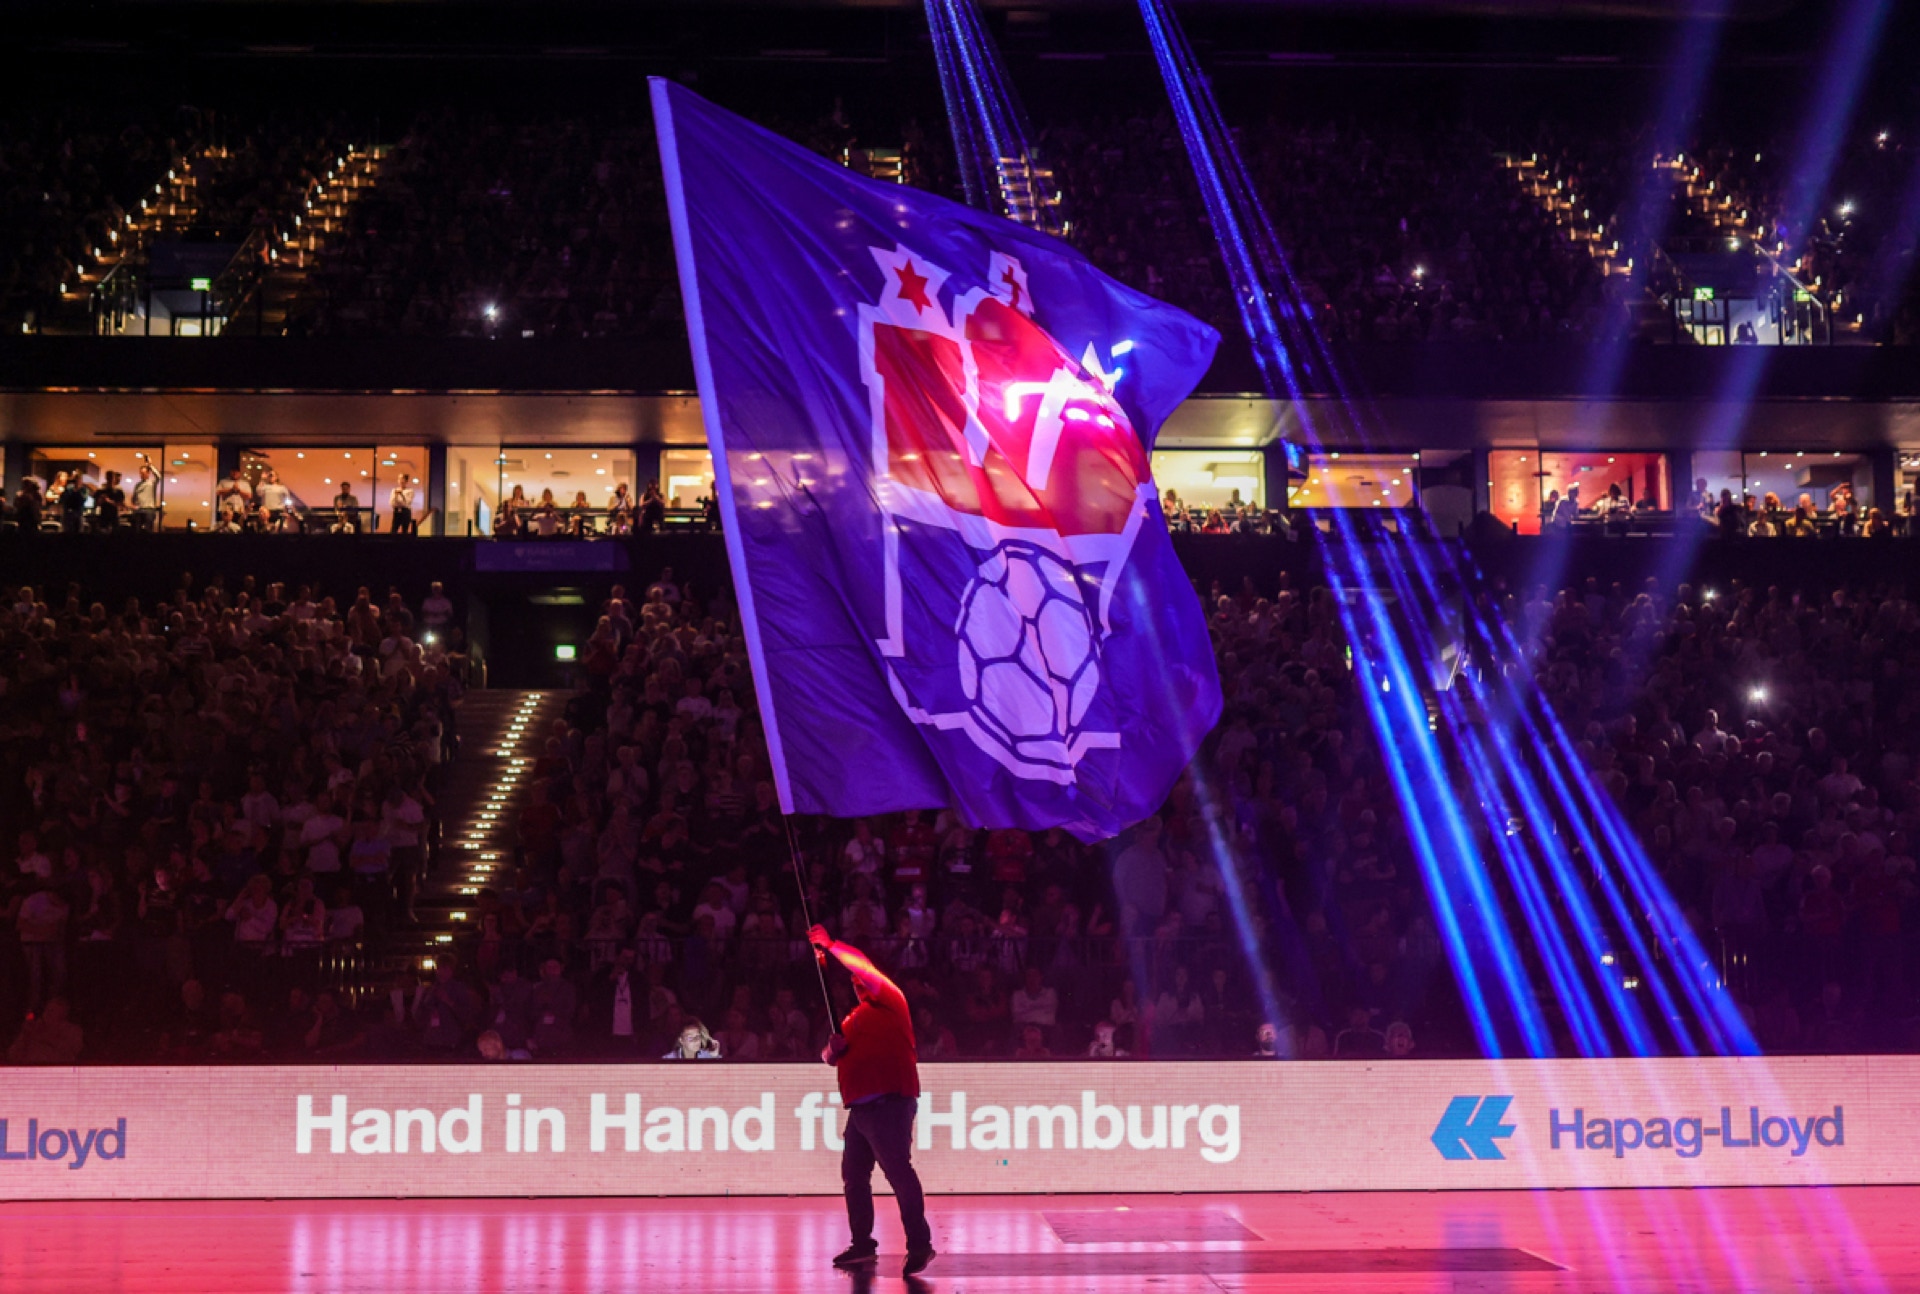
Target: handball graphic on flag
{"type": "Point", "coordinates": [931, 431]}
{"type": "Point", "coordinates": [989, 435]}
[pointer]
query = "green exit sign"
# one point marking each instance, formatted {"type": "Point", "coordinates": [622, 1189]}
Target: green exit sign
{"type": "Point", "coordinates": [1703, 294]}
{"type": "Point", "coordinates": [202, 285]}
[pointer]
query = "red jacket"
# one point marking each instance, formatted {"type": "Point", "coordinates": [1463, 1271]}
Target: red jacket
{"type": "Point", "coordinates": [880, 1057]}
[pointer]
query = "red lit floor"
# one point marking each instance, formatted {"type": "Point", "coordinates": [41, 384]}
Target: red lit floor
{"type": "Point", "coordinates": [1720, 1240]}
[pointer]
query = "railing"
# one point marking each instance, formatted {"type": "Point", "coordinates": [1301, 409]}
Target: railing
{"type": "Point", "coordinates": [114, 298]}
{"type": "Point", "coordinates": [362, 964]}
{"type": "Point", "coordinates": [568, 522]}
{"type": "Point", "coordinates": [126, 293]}
{"type": "Point", "coordinates": [244, 281]}
{"type": "Point", "coordinates": [743, 957]}
{"type": "Point", "coordinates": [127, 993]}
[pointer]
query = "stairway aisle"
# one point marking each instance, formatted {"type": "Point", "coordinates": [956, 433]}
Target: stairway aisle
{"type": "Point", "coordinates": [320, 225]}
{"type": "Point", "coordinates": [501, 732]}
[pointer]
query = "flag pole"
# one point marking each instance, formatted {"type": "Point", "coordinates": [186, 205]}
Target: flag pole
{"type": "Point", "coordinates": [661, 95]}
{"type": "Point", "coordinates": [806, 915]}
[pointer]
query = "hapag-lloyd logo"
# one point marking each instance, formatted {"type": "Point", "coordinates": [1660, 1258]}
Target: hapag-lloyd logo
{"type": "Point", "coordinates": [1688, 1136]}
{"type": "Point", "coordinates": [76, 1147]}
{"type": "Point", "coordinates": [1471, 1124]}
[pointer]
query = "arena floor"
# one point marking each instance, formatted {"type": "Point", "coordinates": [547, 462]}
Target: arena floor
{"type": "Point", "coordinates": [1701, 1240]}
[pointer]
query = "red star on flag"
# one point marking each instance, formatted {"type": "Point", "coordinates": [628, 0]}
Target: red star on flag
{"type": "Point", "coordinates": [913, 287]}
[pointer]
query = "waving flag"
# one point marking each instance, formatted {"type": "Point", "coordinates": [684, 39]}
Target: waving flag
{"type": "Point", "coordinates": [930, 432]}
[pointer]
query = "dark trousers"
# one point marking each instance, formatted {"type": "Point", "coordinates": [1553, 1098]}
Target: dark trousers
{"type": "Point", "coordinates": [881, 1132]}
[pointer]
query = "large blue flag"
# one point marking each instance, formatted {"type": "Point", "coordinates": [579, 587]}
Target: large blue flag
{"type": "Point", "coordinates": [930, 432]}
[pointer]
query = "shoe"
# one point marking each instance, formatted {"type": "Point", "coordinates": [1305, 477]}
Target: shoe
{"type": "Point", "coordinates": [917, 1260]}
{"type": "Point", "coordinates": [857, 1255]}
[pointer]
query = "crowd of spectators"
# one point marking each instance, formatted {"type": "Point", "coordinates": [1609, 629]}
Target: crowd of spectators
{"type": "Point", "coordinates": [257, 502]}
{"type": "Point", "coordinates": [1761, 742]}
{"type": "Point", "coordinates": [198, 783]}
{"type": "Point", "coordinates": [1726, 516]}
{"type": "Point", "coordinates": [1236, 516]}
{"type": "Point", "coordinates": [1397, 227]}
{"type": "Point", "coordinates": [67, 181]}
{"type": "Point", "coordinates": [75, 187]}
{"type": "Point", "coordinates": [1853, 244]}
{"type": "Point", "coordinates": [261, 171]}
{"type": "Point", "coordinates": [484, 227]}
{"type": "Point", "coordinates": [201, 795]}
{"type": "Point", "coordinates": [652, 909]}
{"type": "Point", "coordinates": [521, 516]}
{"type": "Point", "coordinates": [1851, 241]}
{"type": "Point", "coordinates": [72, 504]}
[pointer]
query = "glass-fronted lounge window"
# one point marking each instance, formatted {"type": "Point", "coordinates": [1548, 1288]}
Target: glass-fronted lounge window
{"type": "Point", "coordinates": [580, 483]}
{"type": "Point", "coordinates": [686, 478]}
{"type": "Point", "coordinates": [187, 490]}
{"type": "Point", "coordinates": [1527, 488]}
{"type": "Point", "coordinates": [97, 466]}
{"type": "Point", "coordinates": [1768, 476]}
{"type": "Point", "coordinates": [1209, 480]}
{"type": "Point", "coordinates": [1339, 479]}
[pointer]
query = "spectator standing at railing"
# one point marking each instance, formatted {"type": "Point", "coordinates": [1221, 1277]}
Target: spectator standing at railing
{"type": "Point", "coordinates": [320, 833]}
{"type": "Point", "coordinates": [41, 924]}
{"type": "Point", "coordinates": [1035, 1003]}
{"type": "Point", "coordinates": [509, 1009]}
{"type": "Point", "coordinates": [369, 859]}
{"type": "Point", "coordinates": [1840, 505]}
{"type": "Point", "coordinates": [401, 502]}
{"type": "Point", "coordinates": [146, 499]}
{"type": "Point", "coordinates": [109, 501]}
{"type": "Point", "coordinates": [253, 913]}
{"type": "Point", "coordinates": [275, 500]}
{"type": "Point", "coordinates": [620, 511]}
{"type": "Point", "coordinates": [436, 612]}
{"type": "Point", "coordinates": [446, 1011]}
{"type": "Point", "coordinates": [27, 507]}
{"type": "Point", "coordinates": [617, 1004]}
{"type": "Point", "coordinates": [346, 510]}
{"type": "Point", "coordinates": [234, 499]}
{"type": "Point", "coordinates": [345, 921]}
{"type": "Point", "coordinates": [1178, 1016]}
{"type": "Point", "coordinates": [653, 508]}
{"type": "Point", "coordinates": [551, 1006]}
{"type": "Point", "coordinates": [403, 823]}
{"type": "Point", "coordinates": [303, 920]}
{"type": "Point", "coordinates": [73, 498]}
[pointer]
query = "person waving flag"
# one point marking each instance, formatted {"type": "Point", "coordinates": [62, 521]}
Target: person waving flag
{"type": "Point", "coordinates": [931, 433]}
